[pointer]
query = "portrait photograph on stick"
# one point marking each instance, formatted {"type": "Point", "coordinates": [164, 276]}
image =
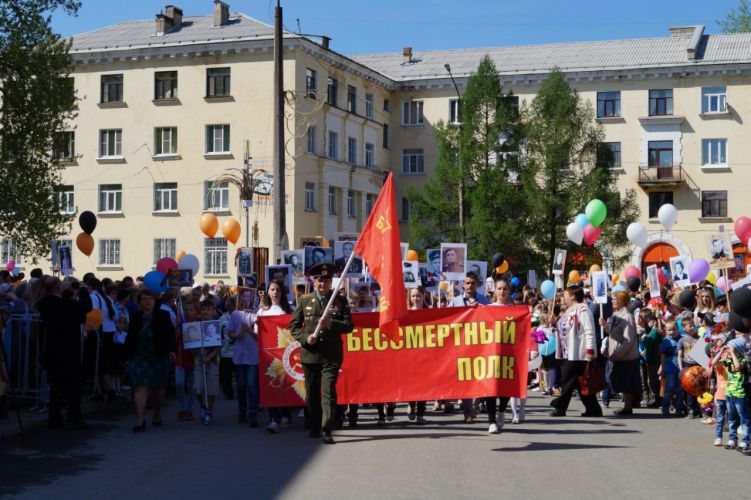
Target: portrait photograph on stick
{"type": "Point", "coordinates": [453, 260]}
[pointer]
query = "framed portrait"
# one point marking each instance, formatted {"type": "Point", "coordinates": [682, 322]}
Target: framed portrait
{"type": "Point", "coordinates": [532, 278]}
{"type": "Point", "coordinates": [246, 298]}
{"type": "Point", "coordinates": [654, 282]}
{"type": "Point", "coordinates": [179, 278]}
{"type": "Point", "coordinates": [295, 259]}
{"type": "Point", "coordinates": [212, 333]}
{"type": "Point", "coordinates": [679, 271]}
{"type": "Point", "coordinates": [318, 255]}
{"type": "Point", "coordinates": [739, 270]}
{"type": "Point", "coordinates": [410, 271]}
{"type": "Point", "coordinates": [65, 256]}
{"type": "Point", "coordinates": [600, 287]}
{"type": "Point", "coordinates": [433, 256]}
{"type": "Point", "coordinates": [720, 250]}
{"type": "Point", "coordinates": [310, 241]}
{"type": "Point", "coordinates": [405, 248]}
{"type": "Point", "coordinates": [480, 268]}
{"type": "Point", "coordinates": [454, 260]}
{"type": "Point", "coordinates": [342, 251]}
{"type": "Point", "coordinates": [559, 261]}
{"type": "Point", "coordinates": [244, 261]}
{"type": "Point", "coordinates": [192, 335]}
{"type": "Point", "coordinates": [365, 301]}
{"type": "Point", "coordinates": [347, 236]}
{"type": "Point", "coordinates": [282, 273]}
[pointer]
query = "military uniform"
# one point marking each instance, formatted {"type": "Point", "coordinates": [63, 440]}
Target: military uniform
{"type": "Point", "coordinates": [322, 360]}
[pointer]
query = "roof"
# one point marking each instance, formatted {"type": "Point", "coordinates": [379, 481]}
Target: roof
{"type": "Point", "coordinates": [194, 29]}
{"type": "Point", "coordinates": [569, 57]}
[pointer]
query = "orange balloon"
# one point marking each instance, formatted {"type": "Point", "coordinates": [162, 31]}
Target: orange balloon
{"type": "Point", "coordinates": [180, 255]}
{"type": "Point", "coordinates": [412, 255]}
{"type": "Point", "coordinates": [573, 277]}
{"type": "Point", "coordinates": [209, 225]}
{"type": "Point", "coordinates": [233, 290]}
{"type": "Point", "coordinates": [324, 242]}
{"type": "Point", "coordinates": [85, 243]}
{"type": "Point", "coordinates": [231, 230]}
{"type": "Point", "coordinates": [502, 268]}
{"type": "Point", "coordinates": [594, 269]}
{"type": "Point", "coordinates": [616, 278]}
{"type": "Point", "coordinates": [94, 319]}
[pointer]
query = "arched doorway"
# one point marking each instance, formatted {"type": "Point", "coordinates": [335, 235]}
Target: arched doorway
{"type": "Point", "coordinates": [658, 254]}
{"type": "Point", "coordinates": [641, 259]}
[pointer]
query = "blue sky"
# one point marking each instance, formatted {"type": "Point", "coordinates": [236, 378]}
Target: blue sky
{"type": "Point", "coordinates": [369, 26]}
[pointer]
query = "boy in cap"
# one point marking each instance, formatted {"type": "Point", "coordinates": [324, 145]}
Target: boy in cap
{"type": "Point", "coordinates": [735, 394]}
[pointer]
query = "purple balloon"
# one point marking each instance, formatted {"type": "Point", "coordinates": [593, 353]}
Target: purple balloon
{"type": "Point", "coordinates": [698, 270]}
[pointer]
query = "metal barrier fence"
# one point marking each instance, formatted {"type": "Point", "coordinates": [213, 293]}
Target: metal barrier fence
{"type": "Point", "coordinates": [23, 345]}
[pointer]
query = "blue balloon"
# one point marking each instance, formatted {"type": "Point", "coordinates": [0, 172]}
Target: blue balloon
{"type": "Point", "coordinates": [547, 348]}
{"type": "Point", "coordinates": [581, 221]}
{"type": "Point", "coordinates": [619, 288]}
{"type": "Point", "coordinates": [548, 289]}
{"type": "Point", "coordinates": [155, 282]}
{"type": "Point", "coordinates": [515, 281]}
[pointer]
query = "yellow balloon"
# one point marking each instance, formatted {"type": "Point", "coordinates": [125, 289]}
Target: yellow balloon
{"type": "Point", "coordinates": [711, 278]}
{"type": "Point", "coordinates": [594, 269]}
{"type": "Point", "coordinates": [180, 255]}
{"type": "Point", "coordinates": [573, 277]}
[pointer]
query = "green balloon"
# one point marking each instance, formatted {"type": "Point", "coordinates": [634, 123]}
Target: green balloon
{"type": "Point", "coordinates": [596, 212]}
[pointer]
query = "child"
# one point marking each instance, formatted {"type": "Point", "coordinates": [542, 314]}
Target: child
{"type": "Point", "coordinates": [651, 342]}
{"type": "Point", "coordinates": [720, 404]}
{"type": "Point", "coordinates": [669, 371]}
{"type": "Point", "coordinates": [207, 364]}
{"type": "Point", "coordinates": [226, 367]}
{"type": "Point", "coordinates": [685, 344]}
{"type": "Point", "coordinates": [121, 332]}
{"type": "Point", "coordinates": [184, 366]}
{"type": "Point", "coordinates": [735, 394]}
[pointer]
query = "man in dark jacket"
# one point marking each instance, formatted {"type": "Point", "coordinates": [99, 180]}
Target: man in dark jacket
{"type": "Point", "coordinates": [61, 323]}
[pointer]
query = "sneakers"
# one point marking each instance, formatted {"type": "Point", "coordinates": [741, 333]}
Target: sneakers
{"type": "Point", "coordinates": [389, 417]}
{"type": "Point", "coordinates": [707, 420]}
{"type": "Point", "coordinates": [208, 419]}
{"type": "Point", "coordinates": [515, 420]}
{"type": "Point", "coordinates": [411, 415]}
{"type": "Point", "coordinates": [469, 420]}
{"type": "Point", "coordinates": [743, 448]}
{"type": "Point", "coordinates": [730, 445]}
{"type": "Point", "coordinates": [437, 406]}
{"type": "Point", "coordinates": [421, 420]}
{"type": "Point", "coordinates": [718, 442]}
{"type": "Point", "coordinates": [272, 428]}
{"type": "Point", "coordinates": [493, 429]}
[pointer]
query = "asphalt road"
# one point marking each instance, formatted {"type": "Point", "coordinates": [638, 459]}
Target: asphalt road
{"type": "Point", "coordinates": [572, 457]}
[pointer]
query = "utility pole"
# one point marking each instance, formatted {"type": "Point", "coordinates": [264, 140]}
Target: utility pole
{"type": "Point", "coordinates": [460, 194]}
{"type": "Point", "coordinates": [247, 177]}
{"type": "Point", "coordinates": [280, 214]}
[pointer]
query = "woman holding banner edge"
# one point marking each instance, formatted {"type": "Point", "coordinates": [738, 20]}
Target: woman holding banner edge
{"type": "Point", "coordinates": [502, 298]}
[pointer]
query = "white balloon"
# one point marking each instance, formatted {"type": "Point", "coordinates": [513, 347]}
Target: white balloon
{"type": "Point", "coordinates": [575, 233]}
{"type": "Point", "coordinates": [637, 234]}
{"type": "Point", "coordinates": [189, 261]}
{"type": "Point", "coordinates": [668, 216]}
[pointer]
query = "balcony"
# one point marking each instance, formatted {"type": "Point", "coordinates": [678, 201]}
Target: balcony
{"type": "Point", "coordinates": [660, 176]}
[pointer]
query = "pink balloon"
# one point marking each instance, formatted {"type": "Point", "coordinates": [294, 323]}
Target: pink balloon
{"type": "Point", "coordinates": [591, 234]}
{"type": "Point", "coordinates": [742, 228]}
{"type": "Point", "coordinates": [724, 284]}
{"type": "Point", "coordinates": [164, 265]}
{"type": "Point", "coordinates": [632, 271]}
{"type": "Point", "coordinates": [11, 266]}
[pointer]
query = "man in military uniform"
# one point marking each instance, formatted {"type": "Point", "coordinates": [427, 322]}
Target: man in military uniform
{"type": "Point", "coordinates": [322, 355]}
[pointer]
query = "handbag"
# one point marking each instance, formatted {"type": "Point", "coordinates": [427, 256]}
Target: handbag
{"type": "Point", "coordinates": [593, 379]}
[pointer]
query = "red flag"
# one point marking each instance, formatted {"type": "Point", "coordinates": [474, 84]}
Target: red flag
{"type": "Point", "coordinates": [380, 246]}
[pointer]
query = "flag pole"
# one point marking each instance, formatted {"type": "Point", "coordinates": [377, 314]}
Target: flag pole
{"type": "Point", "coordinates": [338, 287]}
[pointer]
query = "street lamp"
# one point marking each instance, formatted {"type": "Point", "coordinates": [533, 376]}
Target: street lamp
{"type": "Point", "coordinates": [460, 195]}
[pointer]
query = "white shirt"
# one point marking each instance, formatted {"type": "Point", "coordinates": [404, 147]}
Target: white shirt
{"type": "Point", "coordinates": [99, 302]}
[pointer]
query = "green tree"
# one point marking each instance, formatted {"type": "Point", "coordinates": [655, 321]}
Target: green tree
{"type": "Point", "coordinates": [37, 101]}
{"type": "Point", "coordinates": [563, 171]}
{"type": "Point", "coordinates": [737, 20]}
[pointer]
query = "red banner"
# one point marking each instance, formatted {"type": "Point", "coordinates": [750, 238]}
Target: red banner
{"type": "Point", "coordinates": [450, 353]}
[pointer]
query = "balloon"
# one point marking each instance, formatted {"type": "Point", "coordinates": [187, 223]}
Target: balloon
{"type": "Point", "coordinates": [94, 319]}
{"type": "Point", "coordinates": [209, 225]}
{"type": "Point", "coordinates": [515, 281]}
{"type": "Point", "coordinates": [637, 234]}
{"type": "Point", "coordinates": [632, 271]}
{"type": "Point", "coordinates": [155, 281]}
{"type": "Point", "coordinates": [575, 233]}
{"type": "Point", "coordinates": [596, 212]}
{"type": "Point", "coordinates": [662, 279]}
{"type": "Point", "coordinates": [412, 255]}
{"type": "Point", "coordinates": [695, 380]}
{"type": "Point", "coordinates": [619, 288]}
{"type": "Point", "coordinates": [742, 228]}
{"type": "Point", "coordinates": [17, 273]}
{"type": "Point", "coordinates": [633, 283]}
{"type": "Point", "coordinates": [547, 288]}
{"type": "Point", "coordinates": [594, 268]}
{"type": "Point", "coordinates": [724, 284]}
{"type": "Point", "coordinates": [698, 270]}
{"type": "Point", "coordinates": [85, 243]}
{"type": "Point", "coordinates": [687, 299]}
{"type": "Point", "coordinates": [189, 261]}
{"type": "Point", "coordinates": [740, 302]}
{"type": "Point", "coordinates": [615, 279]}
{"type": "Point", "coordinates": [668, 216]}
{"type": "Point", "coordinates": [165, 265]}
{"type": "Point", "coordinates": [180, 255]}
{"type": "Point", "coordinates": [502, 268]}
{"type": "Point", "coordinates": [712, 278]}
{"type": "Point", "coordinates": [581, 221]}
{"type": "Point", "coordinates": [498, 259]}
{"type": "Point", "coordinates": [231, 230]}
{"type": "Point", "coordinates": [573, 277]}
{"type": "Point", "coordinates": [547, 348]}
{"type": "Point", "coordinates": [87, 221]}
{"type": "Point", "coordinates": [11, 265]}
{"type": "Point", "coordinates": [591, 234]}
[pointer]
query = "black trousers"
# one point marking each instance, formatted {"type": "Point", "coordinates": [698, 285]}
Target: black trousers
{"type": "Point", "coordinates": [320, 387]}
{"type": "Point", "coordinates": [570, 372]}
{"type": "Point", "coordinates": [493, 409]}
{"type": "Point", "coordinates": [64, 384]}
{"type": "Point", "coordinates": [653, 382]}
{"type": "Point", "coordinates": [226, 370]}
{"type": "Point", "coordinates": [418, 407]}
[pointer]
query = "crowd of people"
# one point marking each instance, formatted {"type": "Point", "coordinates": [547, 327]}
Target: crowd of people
{"type": "Point", "coordinates": [644, 344]}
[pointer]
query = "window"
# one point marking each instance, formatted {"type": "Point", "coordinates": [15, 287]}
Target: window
{"type": "Point", "coordinates": [412, 113]}
{"type": "Point", "coordinates": [333, 145]}
{"type": "Point", "coordinates": [217, 196]}
{"type": "Point", "coordinates": [332, 91]}
{"type": "Point", "coordinates": [714, 203]}
{"type": "Point", "coordinates": [455, 112]}
{"type": "Point", "coordinates": [352, 150]}
{"type": "Point", "coordinates": [660, 102]}
{"type": "Point", "coordinates": [351, 207]}
{"type": "Point", "coordinates": [385, 136]}
{"type": "Point", "coordinates": [64, 148]}
{"type": "Point", "coordinates": [165, 141]}
{"type": "Point", "coordinates": [110, 143]}
{"type": "Point", "coordinates": [352, 99]}
{"type": "Point", "coordinates": [215, 256]}
{"type": "Point", "coordinates": [164, 247]}
{"type": "Point", "coordinates": [608, 104]}
{"type": "Point", "coordinates": [332, 200]}
{"type": "Point", "coordinates": [370, 200]}
{"type": "Point", "coordinates": [112, 88]}
{"type": "Point", "coordinates": [217, 82]}
{"type": "Point", "coordinates": [610, 153]}
{"type": "Point", "coordinates": [413, 161]}
{"type": "Point", "coordinates": [386, 105]}
{"type": "Point", "coordinates": [109, 252]}
{"type": "Point", "coordinates": [110, 198]}
{"type": "Point", "coordinates": [9, 250]}
{"type": "Point", "coordinates": [310, 197]}
{"type": "Point", "coordinates": [660, 153]}
{"type": "Point", "coordinates": [67, 200]}
{"type": "Point", "coordinates": [714, 152]}
{"type": "Point", "coordinates": [406, 209]}
{"type": "Point", "coordinates": [713, 100]}
{"type": "Point", "coordinates": [310, 83]}
{"type": "Point", "coordinates": [312, 140]}
{"type": "Point", "coordinates": [369, 106]}
{"type": "Point", "coordinates": [658, 199]}
{"type": "Point", "coordinates": [217, 139]}
{"type": "Point", "coordinates": [165, 85]}
{"type": "Point", "coordinates": [369, 155]}
{"type": "Point", "coordinates": [165, 197]}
